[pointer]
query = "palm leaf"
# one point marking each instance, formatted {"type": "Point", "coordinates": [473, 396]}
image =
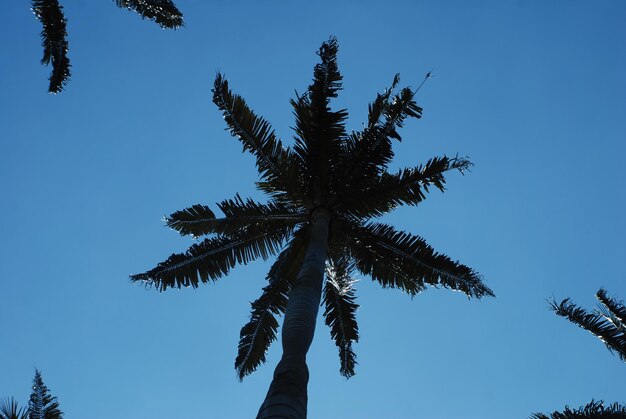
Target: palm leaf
{"type": "Point", "coordinates": [256, 135]}
{"type": "Point", "coordinates": [211, 259]}
{"type": "Point", "coordinates": [259, 333]}
{"type": "Point", "coordinates": [340, 313]}
{"type": "Point", "coordinates": [9, 409]}
{"type": "Point", "coordinates": [612, 310]}
{"type": "Point", "coordinates": [54, 42]}
{"type": "Point", "coordinates": [595, 322]}
{"type": "Point", "coordinates": [319, 131]}
{"type": "Point", "coordinates": [240, 215]}
{"type": "Point", "coordinates": [592, 409]}
{"type": "Point", "coordinates": [401, 260]}
{"type": "Point", "coordinates": [371, 149]}
{"type": "Point", "coordinates": [42, 405]}
{"type": "Point", "coordinates": [408, 186]}
{"type": "Point", "coordinates": [163, 12]}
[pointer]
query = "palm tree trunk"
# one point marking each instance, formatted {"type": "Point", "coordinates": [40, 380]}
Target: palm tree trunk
{"type": "Point", "coordinates": [287, 396]}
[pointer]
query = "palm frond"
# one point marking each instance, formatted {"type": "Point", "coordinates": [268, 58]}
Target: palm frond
{"type": "Point", "coordinates": [10, 409]}
{"type": "Point", "coordinates": [42, 405]}
{"type": "Point", "coordinates": [592, 409]}
{"type": "Point", "coordinates": [408, 186]}
{"type": "Point", "coordinates": [198, 220]}
{"type": "Point", "coordinates": [163, 12]}
{"type": "Point", "coordinates": [259, 333]}
{"type": "Point", "coordinates": [401, 260]}
{"type": "Point", "coordinates": [319, 131]}
{"type": "Point", "coordinates": [612, 310]}
{"type": "Point", "coordinates": [54, 42]}
{"type": "Point", "coordinates": [273, 160]}
{"type": "Point", "coordinates": [596, 323]}
{"type": "Point", "coordinates": [211, 259]}
{"type": "Point", "coordinates": [340, 313]}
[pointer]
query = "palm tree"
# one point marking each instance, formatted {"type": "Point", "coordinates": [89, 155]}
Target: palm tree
{"type": "Point", "coordinates": [607, 322]}
{"type": "Point", "coordinates": [324, 192]}
{"type": "Point", "coordinates": [41, 405]}
{"type": "Point", "coordinates": [54, 33]}
{"type": "Point", "coordinates": [590, 410]}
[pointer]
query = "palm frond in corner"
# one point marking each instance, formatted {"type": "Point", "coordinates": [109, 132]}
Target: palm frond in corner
{"type": "Point", "coordinates": [54, 42]}
{"type": "Point", "coordinates": [163, 12]}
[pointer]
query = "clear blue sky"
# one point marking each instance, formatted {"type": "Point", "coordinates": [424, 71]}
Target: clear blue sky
{"type": "Point", "coordinates": [533, 91]}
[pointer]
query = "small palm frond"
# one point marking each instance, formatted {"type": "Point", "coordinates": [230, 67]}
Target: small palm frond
{"type": "Point", "coordinates": [612, 310]}
{"type": "Point", "coordinates": [340, 313]}
{"type": "Point", "coordinates": [408, 186]}
{"type": "Point", "coordinates": [240, 215]}
{"type": "Point", "coordinates": [42, 405]}
{"type": "Point", "coordinates": [54, 42]}
{"type": "Point", "coordinates": [9, 409]}
{"type": "Point", "coordinates": [163, 12]}
{"type": "Point", "coordinates": [255, 133]}
{"type": "Point", "coordinates": [607, 327]}
{"type": "Point", "coordinates": [259, 333]}
{"type": "Point", "coordinates": [211, 259]}
{"type": "Point", "coordinates": [592, 409]}
{"type": "Point", "coordinates": [401, 260]}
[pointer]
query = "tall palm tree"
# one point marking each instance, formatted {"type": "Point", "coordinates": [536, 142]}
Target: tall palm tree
{"type": "Point", "coordinates": [54, 33]}
{"type": "Point", "coordinates": [607, 322]}
{"type": "Point", "coordinates": [590, 410]}
{"type": "Point", "coordinates": [324, 193]}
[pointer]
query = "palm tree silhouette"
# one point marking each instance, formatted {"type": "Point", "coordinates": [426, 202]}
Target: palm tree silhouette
{"type": "Point", "coordinates": [42, 404]}
{"type": "Point", "coordinates": [591, 410]}
{"type": "Point", "coordinates": [324, 192]}
{"type": "Point", "coordinates": [54, 32]}
{"type": "Point", "coordinates": [606, 322]}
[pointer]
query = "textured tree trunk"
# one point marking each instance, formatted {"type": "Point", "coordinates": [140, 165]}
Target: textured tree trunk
{"type": "Point", "coordinates": [287, 396]}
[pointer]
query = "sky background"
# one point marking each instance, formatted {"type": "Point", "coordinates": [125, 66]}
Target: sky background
{"type": "Point", "coordinates": [533, 91]}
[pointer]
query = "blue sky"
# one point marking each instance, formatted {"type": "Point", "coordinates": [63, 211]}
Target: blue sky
{"type": "Point", "coordinates": [532, 91]}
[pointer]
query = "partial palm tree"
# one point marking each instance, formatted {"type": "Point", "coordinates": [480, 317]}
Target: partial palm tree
{"type": "Point", "coordinates": [324, 194]}
{"type": "Point", "coordinates": [54, 32]}
{"type": "Point", "coordinates": [590, 410]}
{"type": "Point", "coordinates": [607, 322]}
{"type": "Point", "coordinates": [41, 405]}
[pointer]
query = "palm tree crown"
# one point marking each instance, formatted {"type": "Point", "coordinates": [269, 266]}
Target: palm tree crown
{"type": "Point", "coordinates": [324, 193]}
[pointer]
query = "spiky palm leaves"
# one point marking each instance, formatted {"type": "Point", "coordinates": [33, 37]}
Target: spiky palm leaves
{"type": "Point", "coordinates": [54, 31]}
{"type": "Point", "coordinates": [10, 409]}
{"type": "Point", "coordinates": [326, 168]}
{"type": "Point", "coordinates": [607, 322]}
{"type": "Point", "coordinates": [42, 405]}
{"type": "Point", "coordinates": [590, 410]}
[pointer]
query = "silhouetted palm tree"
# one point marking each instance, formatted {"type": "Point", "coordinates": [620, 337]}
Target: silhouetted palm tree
{"type": "Point", "coordinates": [54, 33]}
{"type": "Point", "coordinates": [606, 322]}
{"type": "Point", "coordinates": [41, 405]}
{"type": "Point", "coordinates": [591, 410]}
{"type": "Point", "coordinates": [324, 192]}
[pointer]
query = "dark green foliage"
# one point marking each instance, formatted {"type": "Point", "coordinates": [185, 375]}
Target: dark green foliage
{"type": "Point", "coordinates": [325, 170]}
{"type": "Point", "coordinates": [606, 322]}
{"type": "Point", "coordinates": [53, 40]}
{"type": "Point", "coordinates": [42, 405]}
{"type": "Point", "coordinates": [163, 12]}
{"type": "Point", "coordinates": [54, 31]}
{"type": "Point", "coordinates": [9, 409]}
{"type": "Point", "coordinates": [590, 410]}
